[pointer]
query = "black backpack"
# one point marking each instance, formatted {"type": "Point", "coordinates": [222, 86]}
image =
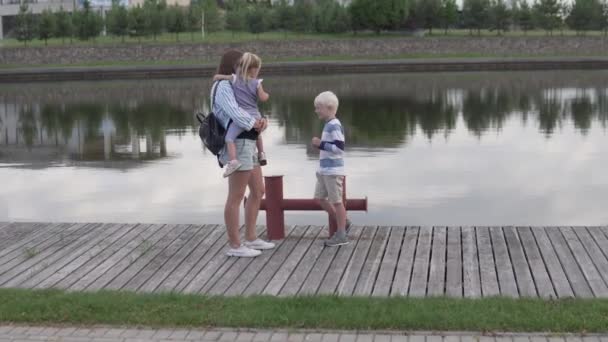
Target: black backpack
{"type": "Point", "coordinates": [211, 131]}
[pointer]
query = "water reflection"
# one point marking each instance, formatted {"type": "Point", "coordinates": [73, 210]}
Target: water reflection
{"type": "Point", "coordinates": [114, 123]}
{"type": "Point", "coordinates": [425, 148]}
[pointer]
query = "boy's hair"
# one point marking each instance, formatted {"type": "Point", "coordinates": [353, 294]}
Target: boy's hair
{"type": "Point", "coordinates": [329, 99]}
{"type": "Point", "coordinates": [248, 61]}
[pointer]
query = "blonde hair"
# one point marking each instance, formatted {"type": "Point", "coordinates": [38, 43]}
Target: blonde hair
{"type": "Point", "coordinates": [248, 61]}
{"type": "Point", "coordinates": [327, 98]}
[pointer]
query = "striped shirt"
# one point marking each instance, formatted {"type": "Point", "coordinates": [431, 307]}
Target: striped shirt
{"type": "Point", "coordinates": [332, 149]}
{"type": "Point", "coordinates": [225, 109]}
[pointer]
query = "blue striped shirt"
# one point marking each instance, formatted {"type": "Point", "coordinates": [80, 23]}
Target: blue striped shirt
{"type": "Point", "coordinates": [332, 149]}
{"type": "Point", "coordinates": [225, 109]}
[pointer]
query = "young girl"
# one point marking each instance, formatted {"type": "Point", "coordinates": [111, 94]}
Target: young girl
{"type": "Point", "coordinates": [247, 91]}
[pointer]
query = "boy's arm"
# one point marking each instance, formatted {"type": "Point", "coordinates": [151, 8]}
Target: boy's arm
{"type": "Point", "coordinates": [262, 95]}
{"type": "Point", "coordinates": [335, 146]}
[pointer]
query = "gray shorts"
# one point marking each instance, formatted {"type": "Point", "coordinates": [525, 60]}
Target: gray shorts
{"type": "Point", "coordinates": [329, 187]}
{"type": "Point", "coordinates": [246, 153]}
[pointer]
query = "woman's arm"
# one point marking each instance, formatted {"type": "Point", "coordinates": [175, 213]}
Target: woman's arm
{"type": "Point", "coordinates": [224, 98]}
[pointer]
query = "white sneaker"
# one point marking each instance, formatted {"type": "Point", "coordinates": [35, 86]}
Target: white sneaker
{"type": "Point", "coordinates": [259, 244]}
{"type": "Point", "coordinates": [243, 252]}
{"type": "Point", "coordinates": [231, 167]}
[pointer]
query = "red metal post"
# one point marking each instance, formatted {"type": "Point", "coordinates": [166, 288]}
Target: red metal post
{"type": "Point", "coordinates": [275, 217]}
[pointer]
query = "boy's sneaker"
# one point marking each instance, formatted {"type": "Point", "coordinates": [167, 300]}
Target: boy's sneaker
{"type": "Point", "coordinates": [259, 244]}
{"type": "Point", "coordinates": [339, 239]}
{"type": "Point", "coordinates": [262, 159]}
{"type": "Point", "coordinates": [243, 252]}
{"type": "Point", "coordinates": [231, 167]}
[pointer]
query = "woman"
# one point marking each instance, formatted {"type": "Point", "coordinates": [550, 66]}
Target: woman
{"type": "Point", "coordinates": [249, 174]}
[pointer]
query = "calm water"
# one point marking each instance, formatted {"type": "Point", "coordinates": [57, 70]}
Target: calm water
{"type": "Point", "coordinates": [524, 148]}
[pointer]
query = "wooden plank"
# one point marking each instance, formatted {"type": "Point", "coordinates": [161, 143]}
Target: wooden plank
{"type": "Point", "coordinates": [525, 283]}
{"type": "Point", "coordinates": [236, 283]}
{"type": "Point", "coordinates": [284, 272]}
{"type": "Point", "coordinates": [421, 263]}
{"type": "Point", "coordinates": [82, 265]}
{"type": "Point", "coordinates": [143, 257]}
{"type": "Point", "coordinates": [370, 269]}
{"type": "Point", "coordinates": [174, 262]}
{"type": "Point", "coordinates": [103, 274]}
{"type": "Point", "coordinates": [87, 273]}
{"type": "Point", "coordinates": [319, 269]}
{"type": "Point", "coordinates": [586, 265]}
{"type": "Point", "coordinates": [554, 268]}
{"type": "Point", "coordinates": [487, 267]}
{"type": "Point", "coordinates": [301, 272]}
{"type": "Point", "coordinates": [437, 271]}
{"type": "Point", "coordinates": [29, 265]}
{"type": "Point", "coordinates": [33, 242]}
{"type": "Point", "coordinates": [602, 242]}
{"type": "Point", "coordinates": [261, 279]}
{"type": "Point", "coordinates": [579, 284]}
{"type": "Point", "coordinates": [217, 270]}
{"type": "Point", "coordinates": [159, 260]}
{"type": "Point", "coordinates": [106, 235]}
{"type": "Point", "coordinates": [20, 233]}
{"type": "Point", "coordinates": [504, 268]}
{"type": "Point", "coordinates": [595, 252]}
{"type": "Point", "coordinates": [218, 250]}
{"type": "Point", "coordinates": [388, 264]}
{"type": "Point", "coordinates": [405, 264]}
{"type": "Point", "coordinates": [355, 265]}
{"type": "Point", "coordinates": [187, 270]}
{"type": "Point", "coordinates": [4, 224]}
{"type": "Point", "coordinates": [337, 268]}
{"type": "Point", "coordinates": [470, 263]}
{"type": "Point", "coordinates": [453, 282]}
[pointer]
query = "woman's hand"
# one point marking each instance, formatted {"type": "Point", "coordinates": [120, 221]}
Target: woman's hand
{"type": "Point", "coordinates": [316, 142]}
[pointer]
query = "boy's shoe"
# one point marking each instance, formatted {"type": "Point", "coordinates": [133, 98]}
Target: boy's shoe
{"type": "Point", "coordinates": [231, 167]}
{"type": "Point", "coordinates": [337, 240]}
{"type": "Point", "coordinates": [259, 244]}
{"type": "Point", "coordinates": [243, 252]}
{"type": "Point", "coordinates": [262, 159]}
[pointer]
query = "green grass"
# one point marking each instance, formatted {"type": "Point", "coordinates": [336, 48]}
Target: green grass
{"type": "Point", "coordinates": [239, 37]}
{"type": "Point", "coordinates": [122, 308]}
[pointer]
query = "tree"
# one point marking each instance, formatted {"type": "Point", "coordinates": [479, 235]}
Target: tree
{"type": "Point", "coordinates": [428, 13]}
{"type": "Point", "coordinates": [137, 22]}
{"type": "Point", "coordinates": [476, 14]}
{"type": "Point", "coordinates": [154, 17]}
{"type": "Point", "coordinates": [524, 16]}
{"type": "Point", "coordinates": [235, 20]}
{"type": "Point", "coordinates": [117, 20]}
{"type": "Point", "coordinates": [25, 24]}
{"type": "Point", "coordinates": [257, 19]}
{"type": "Point", "coordinates": [330, 17]}
{"type": "Point", "coordinates": [500, 16]}
{"type": "Point", "coordinates": [63, 27]}
{"type": "Point", "coordinates": [379, 15]}
{"type": "Point", "coordinates": [604, 18]}
{"type": "Point", "coordinates": [547, 14]}
{"type": "Point", "coordinates": [47, 26]}
{"type": "Point", "coordinates": [176, 21]}
{"type": "Point", "coordinates": [283, 15]}
{"type": "Point", "coordinates": [213, 18]}
{"type": "Point", "coordinates": [87, 23]}
{"type": "Point", "coordinates": [585, 15]}
{"type": "Point", "coordinates": [448, 14]}
{"type": "Point", "coordinates": [303, 21]}
{"type": "Point", "coordinates": [195, 13]}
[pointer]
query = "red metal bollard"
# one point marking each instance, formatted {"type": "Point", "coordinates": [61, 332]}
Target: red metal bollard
{"type": "Point", "coordinates": [275, 206]}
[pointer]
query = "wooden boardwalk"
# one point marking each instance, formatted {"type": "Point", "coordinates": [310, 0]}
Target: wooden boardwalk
{"type": "Point", "coordinates": [546, 262]}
